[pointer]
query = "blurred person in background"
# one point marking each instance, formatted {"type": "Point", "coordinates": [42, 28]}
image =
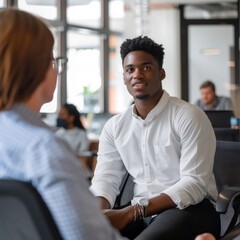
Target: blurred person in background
{"type": "Point", "coordinates": [71, 130]}
{"type": "Point", "coordinates": [209, 99]}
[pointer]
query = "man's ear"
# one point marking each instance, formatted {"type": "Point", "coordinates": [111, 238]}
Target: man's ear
{"type": "Point", "coordinates": [124, 79]}
{"type": "Point", "coordinates": [162, 74]}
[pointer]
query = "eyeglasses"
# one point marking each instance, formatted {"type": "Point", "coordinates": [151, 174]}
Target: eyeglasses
{"type": "Point", "coordinates": [59, 64]}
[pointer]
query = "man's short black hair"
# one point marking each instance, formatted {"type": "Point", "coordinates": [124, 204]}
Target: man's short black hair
{"type": "Point", "coordinates": [145, 44]}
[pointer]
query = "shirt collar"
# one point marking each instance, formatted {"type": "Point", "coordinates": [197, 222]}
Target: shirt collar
{"type": "Point", "coordinates": [29, 115]}
{"type": "Point", "coordinates": [156, 110]}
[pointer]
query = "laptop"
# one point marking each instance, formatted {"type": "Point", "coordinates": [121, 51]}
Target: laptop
{"type": "Point", "coordinates": [220, 119]}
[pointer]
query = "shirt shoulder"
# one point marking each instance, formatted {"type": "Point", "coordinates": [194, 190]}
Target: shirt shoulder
{"type": "Point", "coordinates": [185, 114]}
{"type": "Point", "coordinates": [30, 150]}
{"type": "Point", "coordinates": [180, 106]}
{"type": "Point", "coordinates": [119, 118]}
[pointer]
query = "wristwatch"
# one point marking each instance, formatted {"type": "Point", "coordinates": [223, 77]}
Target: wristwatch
{"type": "Point", "coordinates": [144, 203]}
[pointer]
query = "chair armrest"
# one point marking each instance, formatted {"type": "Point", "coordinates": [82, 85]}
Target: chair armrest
{"type": "Point", "coordinates": [225, 197]}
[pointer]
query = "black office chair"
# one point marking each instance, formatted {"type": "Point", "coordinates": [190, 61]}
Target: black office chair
{"type": "Point", "coordinates": [226, 171]}
{"type": "Point", "coordinates": [23, 213]}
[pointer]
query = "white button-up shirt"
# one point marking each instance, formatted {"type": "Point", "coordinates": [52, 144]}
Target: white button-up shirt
{"type": "Point", "coordinates": [171, 151]}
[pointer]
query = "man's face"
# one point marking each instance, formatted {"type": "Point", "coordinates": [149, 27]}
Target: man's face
{"type": "Point", "coordinates": [142, 75]}
{"type": "Point", "coordinates": [207, 95]}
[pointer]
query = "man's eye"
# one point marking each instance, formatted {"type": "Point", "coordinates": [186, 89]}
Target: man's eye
{"type": "Point", "coordinates": [129, 70]}
{"type": "Point", "coordinates": [145, 68]}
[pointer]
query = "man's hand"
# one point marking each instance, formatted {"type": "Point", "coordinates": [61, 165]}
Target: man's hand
{"type": "Point", "coordinates": [120, 218]}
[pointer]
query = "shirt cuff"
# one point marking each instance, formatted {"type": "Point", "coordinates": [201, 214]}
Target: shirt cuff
{"type": "Point", "coordinates": [180, 199]}
{"type": "Point", "coordinates": [103, 191]}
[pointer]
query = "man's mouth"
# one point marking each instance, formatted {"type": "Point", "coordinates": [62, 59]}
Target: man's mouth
{"type": "Point", "coordinates": [139, 85]}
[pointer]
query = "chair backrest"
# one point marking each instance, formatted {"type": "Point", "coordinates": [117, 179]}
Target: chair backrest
{"type": "Point", "coordinates": [23, 213]}
{"type": "Point", "coordinates": [126, 192]}
{"type": "Point", "coordinates": [226, 171]}
{"type": "Point", "coordinates": [227, 164]}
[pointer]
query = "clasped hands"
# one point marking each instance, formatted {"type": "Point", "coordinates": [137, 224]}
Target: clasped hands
{"type": "Point", "coordinates": [120, 218]}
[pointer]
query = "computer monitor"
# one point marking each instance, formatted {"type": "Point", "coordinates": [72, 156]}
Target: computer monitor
{"type": "Point", "coordinates": [220, 119]}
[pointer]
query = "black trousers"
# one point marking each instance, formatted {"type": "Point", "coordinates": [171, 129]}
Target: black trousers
{"type": "Point", "coordinates": [176, 224]}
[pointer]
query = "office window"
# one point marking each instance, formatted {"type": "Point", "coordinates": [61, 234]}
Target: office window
{"type": "Point", "coordinates": [52, 106]}
{"type": "Point", "coordinates": [116, 15]}
{"type": "Point", "coordinates": [119, 98]}
{"type": "Point", "coordinates": [2, 3]}
{"type": "Point", "coordinates": [84, 84]}
{"type": "Point", "coordinates": [85, 13]}
{"type": "Point", "coordinates": [82, 37]}
{"type": "Point", "coordinates": [45, 9]}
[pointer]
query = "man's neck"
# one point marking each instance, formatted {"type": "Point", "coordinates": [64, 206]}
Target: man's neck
{"type": "Point", "coordinates": [144, 107]}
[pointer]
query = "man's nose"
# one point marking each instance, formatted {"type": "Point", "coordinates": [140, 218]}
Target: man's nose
{"type": "Point", "coordinates": [137, 73]}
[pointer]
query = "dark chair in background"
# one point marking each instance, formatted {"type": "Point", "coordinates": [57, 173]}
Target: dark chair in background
{"type": "Point", "coordinates": [227, 173]}
{"type": "Point", "coordinates": [23, 213]}
{"type": "Point", "coordinates": [227, 164]}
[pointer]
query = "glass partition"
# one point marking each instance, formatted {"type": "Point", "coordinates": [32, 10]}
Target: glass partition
{"type": "Point", "coordinates": [211, 58]}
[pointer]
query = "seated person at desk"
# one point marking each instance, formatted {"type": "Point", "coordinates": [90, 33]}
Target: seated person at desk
{"type": "Point", "coordinates": [167, 145]}
{"type": "Point", "coordinates": [210, 101]}
{"type": "Point", "coordinates": [29, 149]}
{"type": "Point", "coordinates": [71, 128]}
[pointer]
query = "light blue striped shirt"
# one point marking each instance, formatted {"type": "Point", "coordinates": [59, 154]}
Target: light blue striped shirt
{"type": "Point", "coordinates": [31, 152]}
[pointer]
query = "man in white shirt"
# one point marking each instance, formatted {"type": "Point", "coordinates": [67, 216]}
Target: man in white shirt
{"type": "Point", "coordinates": [167, 145]}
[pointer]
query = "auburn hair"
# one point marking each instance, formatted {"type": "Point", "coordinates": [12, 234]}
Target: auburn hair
{"type": "Point", "coordinates": [26, 45]}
